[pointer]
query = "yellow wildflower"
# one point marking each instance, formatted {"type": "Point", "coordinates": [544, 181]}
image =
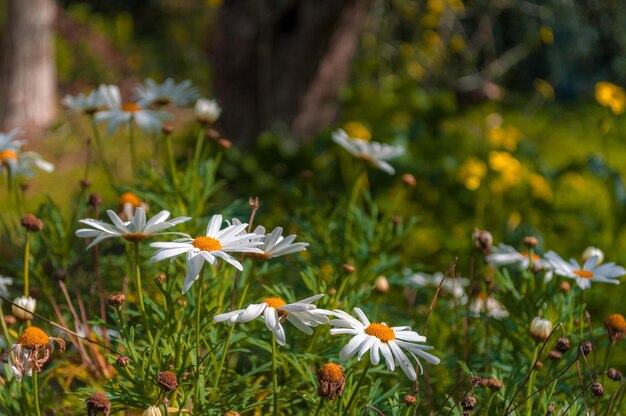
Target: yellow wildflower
{"type": "Point", "coordinates": [540, 188]}
{"type": "Point", "coordinates": [471, 173]}
{"type": "Point", "coordinates": [546, 35]}
{"type": "Point", "coordinates": [612, 96]}
{"type": "Point", "coordinates": [356, 130]}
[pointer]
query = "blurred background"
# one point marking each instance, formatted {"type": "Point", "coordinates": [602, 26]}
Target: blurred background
{"type": "Point", "coordinates": [510, 110]}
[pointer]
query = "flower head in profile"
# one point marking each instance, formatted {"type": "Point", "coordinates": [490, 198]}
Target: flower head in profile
{"type": "Point", "coordinates": [137, 229]}
{"type": "Point", "coordinates": [455, 286]}
{"type": "Point", "coordinates": [207, 111]}
{"type": "Point", "coordinates": [30, 352]}
{"type": "Point", "coordinates": [118, 113]}
{"type": "Point", "coordinates": [217, 243]}
{"type": "Point", "coordinates": [589, 272]}
{"type": "Point", "coordinates": [86, 104]}
{"type": "Point", "coordinates": [274, 244]}
{"type": "Point", "coordinates": [487, 305]}
{"type": "Point", "coordinates": [378, 338]}
{"type": "Point", "coordinates": [505, 255]}
{"type": "Point", "coordinates": [18, 162]}
{"type": "Point", "coordinates": [302, 314]}
{"type": "Point", "coordinates": [371, 152]}
{"type": "Point", "coordinates": [128, 203]}
{"type": "Point", "coordinates": [169, 92]}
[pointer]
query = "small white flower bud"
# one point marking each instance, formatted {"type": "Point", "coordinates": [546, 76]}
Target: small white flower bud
{"type": "Point", "coordinates": [207, 111]}
{"type": "Point", "coordinates": [27, 303]}
{"type": "Point", "coordinates": [593, 251]}
{"type": "Point", "coordinates": [152, 411]}
{"type": "Point", "coordinates": [540, 329]}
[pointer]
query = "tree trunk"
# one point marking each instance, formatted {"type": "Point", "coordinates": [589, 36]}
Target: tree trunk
{"type": "Point", "coordinates": [27, 66]}
{"type": "Point", "coordinates": [284, 64]}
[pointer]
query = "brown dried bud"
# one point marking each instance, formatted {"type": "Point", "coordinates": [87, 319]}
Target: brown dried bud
{"type": "Point", "coordinates": [466, 414]}
{"type": "Point", "coordinates": [538, 365]}
{"type": "Point", "coordinates": [585, 347]}
{"type": "Point", "coordinates": [555, 355]}
{"type": "Point", "coordinates": [122, 361]}
{"type": "Point", "coordinates": [565, 287]}
{"type": "Point", "coordinates": [213, 134]}
{"type": "Point", "coordinates": [167, 381]}
{"type": "Point", "coordinates": [483, 241]}
{"type": "Point", "coordinates": [409, 400]}
{"type": "Point", "coordinates": [477, 381]}
{"type": "Point", "coordinates": [495, 384]}
{"type": "Point", "coordinates": [60, 274]}
{"type": "Point", "coordinates": [332, 291]}
{"type": "Point", "coordinates": [562, 345]}
{"type": "Point", "coordinates": [98, 402]}
{"type": "Point", "coordinates": [531, 242]}
{"type": "Point", "coordinates": [24, 186]}
{"type": "Point", "coordinates": [396, 219]}
{"type": "Point", "coordinates": [381, 284]}
{"type": "Point", "coordinates": [409, 180]}
{"type": "Point", "coordinates": [85, 183]}
{"type": "Point", "coordinates": [31, 223]}
{"type": "Point", "coordinates": [10, 320]}
{"type": "Point", "coordinates": [468, 403]}
{"type": "Point", "coordinates": [348, 268]}
{"type": "Point", "coordinates": [116, 299]}
{"type": "Point", "coordinates": [167, 128]}
{"type": "Point", "coordinates": [95, 199]}
{"type": "Point", "coordinates": [161, 277]}
{"type": "Point", "coordinates": [224, 143]}
{"type": "Point", "coordinates": [615, 327]}
{"type": "Point", "coordinates": [550, 409]}
{"type": "Point", "coordinates": [614, 375]}
{"type": "Point", "coordinates": [330, 381]}
{"type": "Point", "coordinates": [597, 389]}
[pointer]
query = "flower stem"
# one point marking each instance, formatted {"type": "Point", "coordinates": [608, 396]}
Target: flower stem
{"type": "Point", "coordinates": [199, 144]}
{"type": "Point", "coordinates": [142, 306]}
{"type": "Point", "coordinates": [36, 394]}
{"type": "Point", "coordinates": [274, 377]}
{"type": "Point", "coordinates": [356, 390]}
{"type": "Point", "coordinates": [26, 258]}
{"type": "Point", "coordinates": [133, 149]}
{"type": "Point", "coordinates": [171, 160]}
{"type": "Point", "coordinates": [107, 168]}
{"type": "Point", "coordinates": [531, 383]}
{"type": "Point", "coordinates": [198, 358]}
{"type": "Point", "coordinates": [320, 405]}
{"type": "Point", "coordinates": [582, 314]}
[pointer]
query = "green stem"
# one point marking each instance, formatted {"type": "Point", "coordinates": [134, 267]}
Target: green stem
{"type": "Point", "coordinates": [142, 306]}
{"type": "Point", "coordinates": [606, 361]}
{"type": "Point", "coordinates": [274, 377]}
{"type": "Point", "coordinates": [107, 168]}
{"type": "Point", "coordinates": [36, 394]}
{"type": "Point", "coordinates": [5, 329]}
{"type": "Point", "coordinates": [133, 148]}
{"type": "Point", "coordinates": [320, 405]}
{"type": "Point", "coordinates": [531, 383]}
{"type": "Point", "coordinates": [171, 160]}
{"type": "Point", "coordinates": [581, 320]}
{"type": "Point", "coordinates": [199, 144]}
{"type": "Point", "coordinates": [356, 389]}
{"type": "Point", "coordinates": [26, 260]}
{"type": "Point", "coordinates": [198, 316]}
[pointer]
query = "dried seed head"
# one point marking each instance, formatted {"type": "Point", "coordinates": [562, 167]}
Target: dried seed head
{"type": "Point", "coordinates": [614, 375]}
{"type": "Point", "coordinates": [409, 400]}
{"type": "Point", "coordinates": [396, 219]}
{"type": "Point", "coordinates": [483, 241]}
{"type": "Point", "coordinates": [31, 223]}
{"type": "Point", "coordinates": [98, 402]}
{"type": "Point", "coordinates": [122, 361]}
{"type": "Point", "coordinates": [468, 403]}
{"type": "Point", "coordinates": [213, 134]}
{"type": "Point", "coordinates": [167, 381]}
{"type": "Point", "coordinates": [585, 347]}
{"type": "Point", "coordinates": [538, 365]}
{"type": "Point", "coordinates": [60, 274]}
{"type": "Point", "coordinates": [597, 389]}
{"type": "Point", "coordinates": [116, 299]}
{"type": "Point", "coordinates": [330, 381]}
{"type": "Point", "coordinates": [555, 355]}
{"type": "Point", "coordinates": [562, 345]}
{"type": "Point", "coordinates": [381, 284]}
{"type": "Point", "coordinates": [167, 129]}
{"type": "Point", "coordinates": [161, 277]}
{"type": "Point", "coordinates": [224, 143]}
{"type": "Point", "coordinates": [33, 338]}
{"type": "Point", "coordinates": [495, 384]}
{"type": "Point", "coordinates": [95, 199]}
{"type": "Point", "coordinates": [550, 409]}
{"type": "Point", "coordinates": [409, 180]}
{"type": "Point", "coordinates": [85, 183]}
{"type": "Point", "coordinates": [615, 327]}
{"type": "Point", "coordinates": [152, 411]}
{"type": "Point", "coordinates": [348, 268]}
{"type": "Point", "coordinates": [531, 242]}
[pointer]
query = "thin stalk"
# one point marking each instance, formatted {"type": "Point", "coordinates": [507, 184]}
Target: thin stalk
{"type": "Point", "coordinates": [199, 144]}
{"type": "Point", "coordinates": [5, 330]}
{"type": "Point", "coordinates": [142, 306]}
{"type": "Point", "coordinates": [320, 405]}
{"type": "Point", "coordinates": [346, 412]}
{"type": "Point", "coordinates": [582, 312]}
{"type": "Point", "coordinates": [531, 383]}
{"type": "Point", "coordinates": [198, 358]}
{"type": "Point", "coordinates": [606, 361]}
{"type": "Point", "coordinates": [107, 168]}
{"type": "Point", "coordinates": [274, 377]}
{"type": "Point", "coordinates": [171, 160]}
{"type": "Point", "coordinates": [133, 148]}
{"type": "Point", "coordinates": [26, 259]}
{"type": "Point", "coordinates": [36, 394]}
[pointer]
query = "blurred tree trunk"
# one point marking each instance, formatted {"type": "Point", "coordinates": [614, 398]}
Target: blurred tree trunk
{"type": "Point", "coordinates": [284, 62]}
{"type": "Point", "coordinates": [27, 65]}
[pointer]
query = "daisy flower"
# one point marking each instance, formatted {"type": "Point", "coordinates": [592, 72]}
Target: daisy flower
{"type": "Point", "coordinates": [274, 244]}
{"type": "Point", "coordinates": [452, 285]}
{"type": "Point", "coordinates": [504, 255]}
{"type": "Point", "coordinates": [30, 352]}
{"type": "Point", "coordinates": [487, 305]}
{"type": "Point", "coordinates": [169, 92]}
{"type": "Point", "coordinates": [207, 111]}
{"type": "Point", "coordinates": [217, 243]}
{"type": "Point", "coordinates": [589, 272]}
{"type": "Point", "coordinates": [7, 141]}
{"type": "Point", "coordinates": [374, 153]}
{"type": "Point", "coordinates": [378, 338]}
{"type": "Point", "coordinates": [119, 113]}
{"type": "Point", "coordinates": [137, 229]}
{"type": "Point", "coordinates": [302, 314]}
{"type": "Point", "coordinates": [86, 104]}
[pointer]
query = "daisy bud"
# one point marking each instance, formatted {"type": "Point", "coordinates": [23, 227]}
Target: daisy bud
{"type": "Point", "coordinates": [381, 284]}
{"type": "Point", "coordinates": [122, 361]}
{"type": "Point", "coordinates": [330, 381]}
{"type": "Point", "coordinates": [615, 327]}
{"type": "Point", "coordinates": [483, 241]}
{"type": "Point", "coordinates": [167, 129]}
{"type": "Point", "coordinates": [224, 143]}
{"type": "Point", "coordinates": [396, 219]}
{"type": "Point", "coordinates": [597, 389]}
{"type": "Point", "coordinates": [116, 299]}
{"type": "Point", "coordinates": [167, 381]}
{"type": "Point", "coordinates": [85, 183]}
{"type": "Point", "coordinates": [555, 355]}
{"type": "Point", "coordinates": [531, 242]}
{"type": "Point", "coordinates": [409, 400]}
{"type": "Point", "coordinates": [348, 268]}
{"type": "Point", "coordinates": [409, 180]}
{"type": "Point", "coordinates": [468, 403]}
{"type": "Point", "coordinates": [538, 365]}
{"type": "Point", "coordinates": [614, 375]}
{"type": "Point", "coordinates": [565, 287]}
{"type": "Point", "coordinates": [562, 345]}
{"type": "Point", "coordinates": [95, 199]}
{"type": "Point", "coordinates": [213, 134]}
{"type": "Point", "coordinates": [152, 411]}
{"type": "Point", "coordinates": [27, 303]}
{"type": "Point", "coordinates": [593, 251]}
{"type": "Point", "coordinates": [98, 403]}
{"type": "Point", "coordinates": [540, 329]}
{"type": "Point", "coordinates": [585, 347]}
{"type": "Point", "coordinates": [31, 223]}
{"type": "Point", "coordinates": [207, 111]}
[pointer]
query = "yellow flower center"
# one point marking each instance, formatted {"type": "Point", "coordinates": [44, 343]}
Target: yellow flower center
{"type": "Point", "coordinates": [275, 303]}
{"type": "Point", "coordinates": [331, 372]}
{"type": "Point", "coordinates": [130, 198]}
{"type": "Point", "coordinates": [6, 154]}
{"type": "Point", "coordinates": [585, 274]}
{"type": "Point", "coordinates": [616, 322]}
{"type": "Point", "coordinates": [536, 257]}
{"type": "Point", "coordinates": [380, 331]}
{"type": "Point", "coordinates": [135, 237]}
{"type": "Point", "coordinates": [32, 338]}
{"type": "Point", "coordinates": [130, 107]}
{"type": "Point", "coordinates": [207, 244]}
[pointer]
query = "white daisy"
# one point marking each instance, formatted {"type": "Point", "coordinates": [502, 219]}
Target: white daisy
{"type": "Point", "coordinates": [504, 255]}
{"type": "Point", "coordinates": [452, 285]}
{"type": "Point", "coordinates": [372, 152]}
{"type": "Point", "coordinates": [302, 314]}
{"type": "Point", "coordinates": [86, 104]}
{"type": "Point", "coordinates": [589, 272]}
{"type": "Point", "coordinates": [137, 229]}
{"type": "Point", "coordinates": [119, 113]}
{"type": "Point", "coordinates": [379, 338]}
{"type": "Point", "coordinates": [169, 92]}
{"type": "Point", "coordinates": [7, 141]}
{"type": "Point", "coordinates": [207, 111]}
{"type": "Point", "coordinates": [216, 244]}
{"type": "Point", "coordinates": [274, 244]}
{"type": "Point", "coordinates": [483, 304]}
